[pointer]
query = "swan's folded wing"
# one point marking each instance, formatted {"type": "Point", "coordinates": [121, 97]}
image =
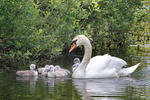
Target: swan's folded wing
{"type": "Point", "coordinates": [98, 63]}
{"type": "Point", "coordinates": [117, 63]}
{"type": "Point", "coordinates": [103, 63]}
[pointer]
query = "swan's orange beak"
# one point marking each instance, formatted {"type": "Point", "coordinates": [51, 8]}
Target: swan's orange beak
{"type": "Point", "coordinates": [72, 47]}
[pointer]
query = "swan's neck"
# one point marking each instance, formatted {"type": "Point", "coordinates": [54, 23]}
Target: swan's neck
{"type": "Point", "coordinates": [80, 71]}
{"type": "Point", "coordinates": [87, 53]}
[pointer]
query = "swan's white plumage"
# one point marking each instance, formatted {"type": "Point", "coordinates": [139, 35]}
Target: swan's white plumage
{"type": "Point", "coordinates": [104, 66]}
{"type": "Point", "coordinates": [128, 71]}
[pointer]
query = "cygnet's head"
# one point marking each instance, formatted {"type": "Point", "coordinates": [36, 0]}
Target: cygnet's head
{"type": "Point", "coordinates": [76, 60]}
{"type": "Point", "coordinates": [32, 67]}
{"type": "Point", "coordinates": [77, 41]}
{"type": "Point", "coordinates": [46, 66]}
{"type": "Point", "coordinates": [49, 68]}
{"type": "Point", "coordinates": [57, 67]}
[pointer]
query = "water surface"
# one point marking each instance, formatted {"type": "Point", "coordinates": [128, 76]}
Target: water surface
{"type": "Point", "coordinates": [135, 87]}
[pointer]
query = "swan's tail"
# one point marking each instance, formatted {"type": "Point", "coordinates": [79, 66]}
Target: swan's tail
{"type": "Point", "coordinates": [128, 71]}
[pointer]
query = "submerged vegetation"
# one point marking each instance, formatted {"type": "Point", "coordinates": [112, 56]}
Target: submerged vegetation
{"type": "Point", "coordinates": [33, 31]}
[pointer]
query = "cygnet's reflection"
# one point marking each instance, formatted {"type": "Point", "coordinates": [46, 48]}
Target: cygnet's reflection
{"type": "Point", "coordinates": [31, 80]}
{"type": "Point", "coordinates": [51, 82]}
{"type": "Point", "coordinates": [102, 89]}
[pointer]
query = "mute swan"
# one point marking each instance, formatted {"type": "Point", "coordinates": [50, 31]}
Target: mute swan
{"type": "Point", "coordinates": [58, 72]}
{"type": "Point", "coordinates": [104, 66]}
{"type": "Point", "coordinates": [76, 62]}
{"type": "Point", "coordinates": [32, 72]}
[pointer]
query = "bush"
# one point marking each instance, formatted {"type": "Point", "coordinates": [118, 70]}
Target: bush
{"type": "Point", "coordinates": [33, 31]}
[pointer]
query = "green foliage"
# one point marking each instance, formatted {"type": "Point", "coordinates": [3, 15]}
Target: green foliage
{"type": "Point", "coordinates": [141, 23]}
{"type": "Point", "coordinates": [109, 22]}
{"type": "Point", "coordinates": [19, 35]}
{"type": "Point", "coordinates": [36, 30]}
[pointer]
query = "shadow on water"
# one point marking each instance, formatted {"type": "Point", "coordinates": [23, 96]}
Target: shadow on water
{"type": "Point", "coordinates": [135, 87]}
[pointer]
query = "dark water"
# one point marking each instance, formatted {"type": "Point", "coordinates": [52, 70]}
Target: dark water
{"type": "Point", "coordinates": [135, 87]}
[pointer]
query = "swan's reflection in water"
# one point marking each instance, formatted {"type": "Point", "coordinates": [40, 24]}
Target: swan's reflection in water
{"type": "Point", "coordinates": [32, 81]}
{"type": "Point", "coordinates": [103, 89]}
{"type": "Point", "coordinates": [93, 89]}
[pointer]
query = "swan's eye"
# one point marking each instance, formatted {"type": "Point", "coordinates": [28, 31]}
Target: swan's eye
{"type": "Point", "coordinates": [74, 42]}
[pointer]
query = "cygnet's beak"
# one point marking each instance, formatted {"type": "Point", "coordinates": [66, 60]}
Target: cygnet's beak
{"type": "Point", "coordinates": [72, 47]}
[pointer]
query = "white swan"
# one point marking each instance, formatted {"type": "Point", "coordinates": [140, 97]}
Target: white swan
{"type": "Point", "coordinates": [32, 72]}
{"type": "Point", "coordinates": [105, 66]}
